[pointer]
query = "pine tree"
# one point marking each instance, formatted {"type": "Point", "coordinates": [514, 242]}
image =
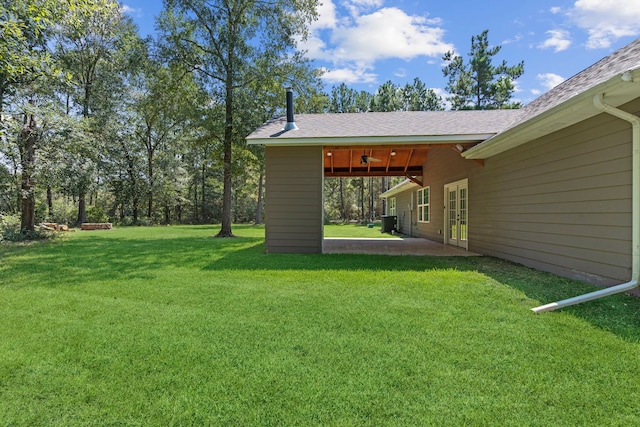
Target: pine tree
{"type": "Point", "coordinates": [479, 85]}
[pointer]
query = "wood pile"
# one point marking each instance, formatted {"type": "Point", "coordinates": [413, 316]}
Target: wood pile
{"type": "Point", "coordinates": [96, 226]}
{"type": "Point", "coordinates": [54, 226]}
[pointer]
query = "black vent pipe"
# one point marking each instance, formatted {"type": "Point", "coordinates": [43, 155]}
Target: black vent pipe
{"type": "Point", "coordinates": [291, 125]}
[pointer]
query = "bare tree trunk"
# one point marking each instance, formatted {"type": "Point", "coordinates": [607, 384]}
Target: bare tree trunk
{"type": "Point", "coordinates": [195, 201]}
{"type": "Point", "coordinates": [150, 172]}
{"type": "Point", "coordinates": [259, 207]}
{"type": "Point", "coordinates": [28, 137]}
{"type": "Point", "coordinates": [343, 212]}
{"type": "Point", "coordinates": [136, 209]}
{"type": "Point", "coordinates": [82, 207]}
{"type": "Point", "coordinates": [203, 189]}
{"type": "Point", "coordinates": [362, 199]}
{"type": "Point", "coordinates": [372, 213]}
{"type": "Point", "coordinates": [50, 200]}
{"type": "Point", "coordinates": [225, 230]}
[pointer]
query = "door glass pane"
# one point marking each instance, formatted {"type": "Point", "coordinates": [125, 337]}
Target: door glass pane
{"type": "Point", "coordinates": [463, 214]}
{"type": "Point", "coordinates": [453, 208]}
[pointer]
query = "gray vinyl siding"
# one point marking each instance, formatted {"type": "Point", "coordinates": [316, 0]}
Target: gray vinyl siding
{"type": "Point", "coordinates": [561, 203]}
{"type": "Point", "coordinates": [443, 166]}
{"type": "Point", "coordinates": [406, 218]}
{"type": "Point", "coordinates": [293, 199]}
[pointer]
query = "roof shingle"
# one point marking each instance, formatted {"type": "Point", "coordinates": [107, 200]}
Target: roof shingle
{"type": "Point", "coordinates": [448, 123]}
{"type": "Point", "coordinates": [402, 123]}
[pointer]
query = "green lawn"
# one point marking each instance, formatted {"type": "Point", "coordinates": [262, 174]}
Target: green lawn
{"type": "Point", "coordinates": [169, 326]}
{"type": "Point", "coordinates": [356, 230]}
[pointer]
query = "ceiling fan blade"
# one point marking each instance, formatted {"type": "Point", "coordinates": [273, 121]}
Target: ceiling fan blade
{"type": "Point", "coordinates": [363, 160]}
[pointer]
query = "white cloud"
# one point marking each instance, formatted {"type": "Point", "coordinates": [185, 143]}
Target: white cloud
{"type": "Point", "coordinates": [357, 42]}
{"type": "Point", "coordinates": [347, 75]}
{"type": "Point", "coordinates": [516, 39]}
{"type": "Point", "coordinates": [326, 16]}
{"type": "Point", "coordinates": [550, 80]}
{"type": "Point", "coordinates": [606, 21]}
{"type": "Point", "coordinates": [555, 10]}
{"type": "Point", "coordinates": [136, 12]}
{"type": "Point", "coordinates": [559, 40]}
{"type": "Point", "coordinates": [388, 33]}
{"type": "Point", "coordinates": [356, 7]}
{"type": "Point", "coordinates": [401, 73]}
{"type": "Point", "coordinates": [367, 3]}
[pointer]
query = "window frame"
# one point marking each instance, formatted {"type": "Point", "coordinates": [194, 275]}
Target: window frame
{"type": "Point", "coordinates": [423, 203]}
{"type": "Point", "coordinates": [393, 203]}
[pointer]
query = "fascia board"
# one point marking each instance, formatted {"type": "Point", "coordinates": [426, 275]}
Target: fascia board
{"type": "Point", "coordinates": [403, 186]}
{"type": "Point", "coordinates": [371, 140]}
{"type": "Point", "coordinates": [572, 111]}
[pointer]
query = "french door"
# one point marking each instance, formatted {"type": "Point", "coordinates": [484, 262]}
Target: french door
{"type": "Point", "coordinates": [456, 217]}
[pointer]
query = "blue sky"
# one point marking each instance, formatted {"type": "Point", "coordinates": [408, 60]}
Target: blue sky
{"type": "Point", "coordinates": [365, 43]}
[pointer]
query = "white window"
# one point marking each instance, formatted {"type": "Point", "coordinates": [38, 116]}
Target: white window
{"type": "Point", "coordinates": [423, 204]}
{"type": "Point", "coordinates": [392, 206]}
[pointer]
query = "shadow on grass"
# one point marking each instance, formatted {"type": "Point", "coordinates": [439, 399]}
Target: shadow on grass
{"type": "Point", "coordinates": [103, 258]}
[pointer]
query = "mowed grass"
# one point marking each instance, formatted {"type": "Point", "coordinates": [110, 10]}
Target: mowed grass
{"type": "Point", "coordinates": [356, 230]}
{"type": "Point", "coordinates": [169, 326]}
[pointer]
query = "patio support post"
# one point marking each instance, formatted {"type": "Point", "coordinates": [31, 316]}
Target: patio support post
{"type": "Point", "coordinates": [598, 101]}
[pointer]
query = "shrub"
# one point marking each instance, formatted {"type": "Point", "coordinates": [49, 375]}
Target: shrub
{"type": "Point", "coordinates": [96, 214]}
{"type": "Point", "coordinates": [10, 230]}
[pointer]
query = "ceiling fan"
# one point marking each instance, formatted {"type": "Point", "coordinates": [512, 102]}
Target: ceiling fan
{"type": "Point", "coordinates": [364, 159]}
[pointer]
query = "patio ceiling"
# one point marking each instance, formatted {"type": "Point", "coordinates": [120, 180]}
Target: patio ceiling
{"type": "Point", "coordinates": [379, 160]}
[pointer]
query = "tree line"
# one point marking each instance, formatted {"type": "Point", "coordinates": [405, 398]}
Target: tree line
{"type": "Point", "coordinates": [99, 124]}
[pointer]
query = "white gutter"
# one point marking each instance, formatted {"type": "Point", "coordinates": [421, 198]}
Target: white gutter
{"type": "Point", "coordinates": [598, 101]}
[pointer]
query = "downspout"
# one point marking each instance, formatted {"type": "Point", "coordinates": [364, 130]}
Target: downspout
{"type": "Point", "coordinates": [598, 101]}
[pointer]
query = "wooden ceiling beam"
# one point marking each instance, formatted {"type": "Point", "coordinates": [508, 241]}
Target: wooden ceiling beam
{"type": "Point", "coordinates": [415, 180]}
{"type": "Point", "coordinates": [406, 166]}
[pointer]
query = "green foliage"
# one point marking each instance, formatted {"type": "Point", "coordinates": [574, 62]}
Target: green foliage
{"type": "Point", "coordinates": [343, 99]}
{"type": "Point", "coordinates": [479, 84]}
{"type": "Point", "coordinates": [417, 97]}
{"type": "Point", "coordinates": [10, 230]}
{"type": "Point", "coordinates": [167, 326]}
{"type": "Point", "coordinates": [387, 98]}
{"type": "Point", "coordinates": [23, 43]}
{"type": "Point", "coordinates": [413, 96]}
{"type": "Point", "coordinates": [235, 46]}
{"type": "Point", "coordinates": [96, 214]}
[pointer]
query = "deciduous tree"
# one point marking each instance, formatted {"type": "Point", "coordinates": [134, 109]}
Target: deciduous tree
{"type": "Point", "coordinates": [230, 44]}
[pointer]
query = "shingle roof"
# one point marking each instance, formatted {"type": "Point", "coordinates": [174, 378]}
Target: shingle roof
{"type": "Point", "coordinates": [570, 102]}
{"type": "Point", "coordinates": [450, 123]}
{"type": "Point", "coordinates": [402, 123]}
{"type": "Point", "coordinates": [624, 59]}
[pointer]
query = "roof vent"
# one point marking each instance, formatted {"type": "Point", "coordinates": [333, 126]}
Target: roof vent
{"type": "Point", "coordinates": [291, 125]}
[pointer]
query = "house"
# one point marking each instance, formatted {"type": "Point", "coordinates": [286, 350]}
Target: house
{"type": "Point", "coordinates": [554, 185]}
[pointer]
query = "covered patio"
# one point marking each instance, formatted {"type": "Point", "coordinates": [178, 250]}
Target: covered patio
{"type": "Point", "coordinates": [300, 154]}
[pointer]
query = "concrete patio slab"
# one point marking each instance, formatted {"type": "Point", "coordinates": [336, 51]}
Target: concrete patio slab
{"type": "Point", "coordinates": [395, 246]}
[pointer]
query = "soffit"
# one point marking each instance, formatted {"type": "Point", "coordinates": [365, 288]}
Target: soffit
{"type": "Point", "coordinates": [389, 160]}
